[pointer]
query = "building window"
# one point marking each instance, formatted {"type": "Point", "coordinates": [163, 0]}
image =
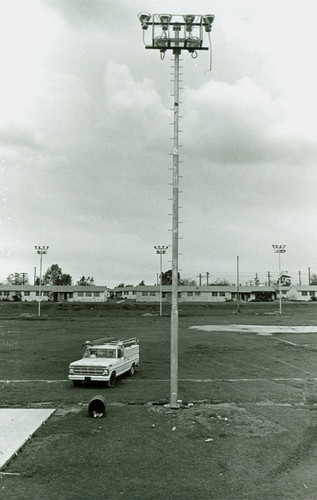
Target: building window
{"type": "Point", "coordinates": [214, 294]}
{"type": "Point", "coordinates": [70, 295]}
{"type": "Point", "coordinates": [125, 292]}
{"type": "Point", "coordinates": [26, 294]}
{"type": "Point", "coordinates": [88, 294]}
{"type": "Point", "coordinates": [152, 294]}
{"type": "Point", "coordinates": [312, 294]}
{"type": "Point", "coordinates": [304, 294]}
{"type": "Point", "coordinates": [96, 294]}
{"type": "Point", "coordinates": [222, 294]}
{"type": "Point", "coordinates": [134, 292]}
{"type": "Point", "coordinates": [189, 294]}
{"type": "Point", "coordinates": [145, 294]}
{"type": "Point", "coordinates": [197, 294]}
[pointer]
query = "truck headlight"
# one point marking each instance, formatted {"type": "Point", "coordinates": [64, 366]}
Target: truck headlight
{"type": "Point", "coordinates": [106, 371]}
{"type": "Point", "coordinates": [71, 369]}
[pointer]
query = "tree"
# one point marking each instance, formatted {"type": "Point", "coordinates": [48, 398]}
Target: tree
{"type": "Point", "coordinates": [313, 279]}
{"type": "Point", "coordinates": [55, 276]}
{"type": "Point", "coordinates": [220, 282]}
{"type": "Point", "coordinates": [17, 279]}
{"type": "Point", "coordinates": [65, 279]}
{"type": "Point", "coordinates": [188, 282]}
{"type": "Point", "coordinates": [167, 278]}
{"type": "Point", "coordinates": [142, 283]}
{"type": "Point", "coordinates": [83, 281]}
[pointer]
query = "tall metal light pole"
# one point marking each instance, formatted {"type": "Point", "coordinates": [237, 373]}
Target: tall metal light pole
{"type": "Point", "coordinates": [176, 33]}
{"type": "Point", "coordinates": [41, 250]}
{"type": "Point", "coordinates": [161, 250]}
{"type": "Point", "coordinates": [279, 249]}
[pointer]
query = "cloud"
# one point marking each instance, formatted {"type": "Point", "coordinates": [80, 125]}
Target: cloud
{"type": "Point", "coordinates": [243, 123]}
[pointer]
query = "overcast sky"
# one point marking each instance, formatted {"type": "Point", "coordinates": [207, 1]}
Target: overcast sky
{"type": "Point", "coordinates": [85, 140]}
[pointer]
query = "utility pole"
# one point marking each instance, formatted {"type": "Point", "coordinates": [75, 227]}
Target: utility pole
{"type": "Point", "coordinates": [309, 276]}
{"type": "Point", "coordinates": [199, 276]}
{"type": "Point", "coordinates": [207, 278]}
{"type": "Point", "coordinates": [269, 278]}
{"type": "Point", "coordinates": [23, 277]}
{"type": "Point", "coordinates": [165, 35]}
{"type": "Point", "coordinates": [299, 278]}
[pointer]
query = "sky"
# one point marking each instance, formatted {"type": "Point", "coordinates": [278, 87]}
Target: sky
{"type": "Point", "coordinates": [85, 141]}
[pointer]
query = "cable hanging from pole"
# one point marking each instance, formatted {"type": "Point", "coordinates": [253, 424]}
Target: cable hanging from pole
{"type": "Point", "coordinates": [210, 52]}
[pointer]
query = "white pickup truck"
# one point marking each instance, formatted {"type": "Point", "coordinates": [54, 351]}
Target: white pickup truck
{"type": "Point", "coordinates": [104, 360]}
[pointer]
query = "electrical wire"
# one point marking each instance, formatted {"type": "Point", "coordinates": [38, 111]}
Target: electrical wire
{"type": "Point", "coordinates": [210, 52]}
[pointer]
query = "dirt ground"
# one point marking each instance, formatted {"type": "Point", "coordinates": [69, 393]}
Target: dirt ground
{"type": "Point", "coordinates": [246, 427]}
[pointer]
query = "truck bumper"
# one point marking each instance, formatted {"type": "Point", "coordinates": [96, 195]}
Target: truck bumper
{"type": "Point", "coordinates": [90, 378]}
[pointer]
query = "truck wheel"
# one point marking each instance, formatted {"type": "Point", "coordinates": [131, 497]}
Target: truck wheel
{"type": "Point", "coordinates": [76, 383]}
{"type": "Point", "coordinates": [132, 370]}
{"type": "Point", "coordinates": [112, 381]}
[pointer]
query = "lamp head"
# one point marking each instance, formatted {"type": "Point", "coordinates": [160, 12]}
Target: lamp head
{"type": "Point", "coordinates": [208, 19]}
{"type": "Point", "coordinates": [189, 20]}
{"type": "Point", "coordinates": [165, 20]}
{"type": "Point", "coordinates": [144, 18]}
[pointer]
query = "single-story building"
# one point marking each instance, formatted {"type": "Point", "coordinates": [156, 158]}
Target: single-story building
{"type": "Point", "coordinates": [76, 293]}
{"type": "Point", "coordinates": [300, 292]}
{"type": "Point", "coordinates": [190, 293]}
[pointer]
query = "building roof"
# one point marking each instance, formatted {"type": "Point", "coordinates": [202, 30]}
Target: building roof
{"type": "Point", "coordinates": [197, 288]}
{"type": "Point", "coordinates": [52, 288]}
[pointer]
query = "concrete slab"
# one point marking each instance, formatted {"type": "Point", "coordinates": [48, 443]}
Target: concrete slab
{"type": "Point", "coordinates": [16, 427]}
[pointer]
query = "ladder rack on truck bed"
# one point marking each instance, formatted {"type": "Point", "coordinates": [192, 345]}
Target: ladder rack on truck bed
{"type": "Point", "coordinates": [112, 341]}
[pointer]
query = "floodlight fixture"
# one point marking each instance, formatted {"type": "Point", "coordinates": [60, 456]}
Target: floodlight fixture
{"type": "Point", "coordinates": [208, 19]}
{"type": "Point", "coordinates": [189, 20]}
{"type": "Point", "coordinates": [165, 20]}
{"type": "Point", "coordinates": [144, 19]}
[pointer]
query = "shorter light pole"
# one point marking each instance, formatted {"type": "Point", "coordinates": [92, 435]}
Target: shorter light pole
{"type": "Point", "coordinates": [279, 249]}
{"type": "Point", "coordinates": [161, 250]}
{"type": "Point", "coordinates": [238, 286]}
{"type": "Point", "coordinates": [41, 250]}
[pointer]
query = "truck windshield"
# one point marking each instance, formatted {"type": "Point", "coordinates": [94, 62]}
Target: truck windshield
{"type": "Point", "coordinates": [100, 353]}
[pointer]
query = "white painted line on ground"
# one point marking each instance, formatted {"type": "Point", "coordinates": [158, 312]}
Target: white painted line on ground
{"type": "Point", "coordinates": [195, 380]}
{"type": "Point", "coordinates": [30, 380]}
{"type": "Point", "coordinates": [260, 329]}
{"type": "Point", "coordinates": [286, 341]}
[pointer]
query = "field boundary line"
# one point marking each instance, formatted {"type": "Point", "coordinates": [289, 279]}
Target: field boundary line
{"type": "Point", "coordinates": [194, 380]}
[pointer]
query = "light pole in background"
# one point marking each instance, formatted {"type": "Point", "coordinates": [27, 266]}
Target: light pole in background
{"type": "Point", "coordinates": [41, 250]}
{"type": "Point", "coordinates": [161, 250]}
{"type": "Point", "coordinates": [175, 33]}
{"type": "Point", "coordinates": [279, 249]}
{"type": "Point", "coordinates": [238, 286]}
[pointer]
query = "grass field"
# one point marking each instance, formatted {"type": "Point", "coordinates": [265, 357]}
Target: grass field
{"type": "Point", "coordinates": [246, 428]}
